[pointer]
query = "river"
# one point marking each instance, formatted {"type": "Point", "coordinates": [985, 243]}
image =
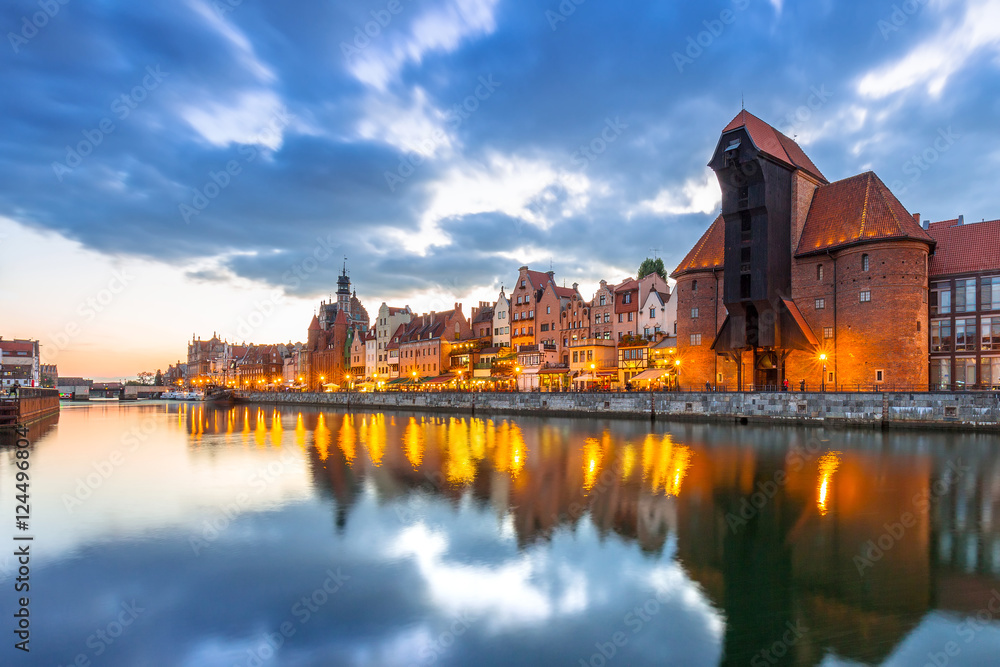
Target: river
{"type": "Point", "coordinates": [182, 534]}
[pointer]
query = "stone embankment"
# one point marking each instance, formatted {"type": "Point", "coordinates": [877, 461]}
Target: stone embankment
{"type": "Point", "coordinates": [956, 410]}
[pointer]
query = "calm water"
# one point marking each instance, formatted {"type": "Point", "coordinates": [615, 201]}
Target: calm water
{"type": "Point", "coordinates": [171, 534]}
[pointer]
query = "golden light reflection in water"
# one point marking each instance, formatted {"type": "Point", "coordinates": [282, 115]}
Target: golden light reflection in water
{"type": "Point", "coordinates": [413, 443]}
{"type": "Point", "coordinates": [373, 437]}
{"type": "Point", "coordinates": [300, 432]}
{"type": "Point", "coordinates": [260, 433]}
{"type": "Point", "coordinates": [591, 462]}
{"type": "Point", "coordinates": [348, 438]}
{"type": "Point", "coordinates": [629, 457]}
{"type": "Point", "coordinates": [664, 464]}
{"type": "Point", "coordinates": [460, 466]}
{"type": "Point", "coordinates": [827, 466]}
{"type": "Point", "coordinates": [276, 431]}
{"type": "Point", "coordinates": [322, 437]}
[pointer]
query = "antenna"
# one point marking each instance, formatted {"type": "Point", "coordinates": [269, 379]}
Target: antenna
{"type": "Point", "coordinates": [743, 104]}
{"type": "Point", "coordinates": [654, 251]}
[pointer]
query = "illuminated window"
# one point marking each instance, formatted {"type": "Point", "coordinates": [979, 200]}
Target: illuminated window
{"type": "Point", "coordinates": [695, 340]}
{"type": "Point", "coordinates": [827, 332]}
{"type": "Point", "coordinates": [819, 272]}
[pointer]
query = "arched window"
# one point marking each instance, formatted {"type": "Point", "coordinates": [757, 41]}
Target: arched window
{"type": "Point", "coordinates": [864, 262]}
{"type": "Point", "coordinates": [819, 272]}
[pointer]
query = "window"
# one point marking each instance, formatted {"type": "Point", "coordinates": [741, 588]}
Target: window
{"type": "Point", "coordinates": [991, 334]}
{"type": "Point", "coordinates": [548, 310]}
{"type": "Point", "coordinates": [694, 313]}
{"type": "Point", "coordinates": [522, 284]}
{"type": "Point", "coordinates": [819, 272]}
{"type": "Point", "coordinates": [965, 295]}
{"type": "Point", "coordinates": [991, 372]}
{"type": "Point", "coordinates": [620, 318]}
{"type": "Point", "coordinates": [597, 318]}
{"type": "Point", "coordinates": [627, 297]}
{"type": "Point", "coordinates": [941, 373]}
{"type": "Point", "coordinates": [866, 296]}
{"type": "Point", "coordinates": [652, 312]}
{"type": "Point", "coordinates": [940, 298]}
{"type": "Point", "coordinates": [607, 317]}
{"type": "Point", "coordinates": [531, 314]}
{"type": "Point", "coordinates": [527, 298]}
{"type": "Point", "coordinates": [695, 340]}
{"type": "Point", "coordinates": [965, 372]}
{"type": "Point", "coordinates": [879, 376]}
{"type": "Point", "coordinates": [506, 330]}
{"type": "Point", "coordinates": [544, 327]}
{"type": "Point", "coordinates": [864, 262]}
{"type": "Point", "coordinates": [604, 300]}
{"type": "Point", "coordinates": [989, 296]}
{"type": "Point", "coordinates": [630, 316]}
{"type": "Point", "coordinates": [590, 355]}
{"type": "Point", "coordinates": [576, 356]}
{"type": "Point", "coordinates": [820, 304]}
{"type": "Point", "coordinates": [694, 285]}
{"type": "Point", "coordinates": [519, 301]}
{"type": "Point", "coordinates": [827, 332]}
{"type": "Point", "coordinates": [941, 336]}
{"type": "Point", "coordinates": [965, 335]}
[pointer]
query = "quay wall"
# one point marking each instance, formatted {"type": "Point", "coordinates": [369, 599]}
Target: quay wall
{"type": "Point", "coordinates": [954, 410]}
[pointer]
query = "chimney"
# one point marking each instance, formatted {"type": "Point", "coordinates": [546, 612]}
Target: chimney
{"type": "Point", "coordinates": [576, 287]}
{"type": "Point", "coordinates": [961, 221]}
{"type": "Point", "coordinates": [551, 274]}
{"type": "Point", "coordinates": [916, 218]}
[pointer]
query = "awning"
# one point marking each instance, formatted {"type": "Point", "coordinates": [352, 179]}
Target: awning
{"type": "Point", "coordinates": [530, 371]}
{"type": "Point", "coordinates": [441, 379]}
{"type": "Point", "coordinates": [650, 374]}
{"type": "Point", "coordinates": [584, 378]}
{"type": "Point", "coordinates": [398, 381]}
{"type": "Point", "coordinates": [607, 374]}
{"type": "Point", "coordinates": [553, 371]}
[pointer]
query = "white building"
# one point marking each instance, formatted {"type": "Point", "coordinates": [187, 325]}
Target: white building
{"type": "Point", "coordinates": [389, 319]}
{"type": "Point", "coordinates": [501, 321]}
{"type": "Point", "coordinates": [19, 363]}
{"type": "Point", "coordinates": [371, 355]}
{"type": "Point", "coordinates": [657, 314]}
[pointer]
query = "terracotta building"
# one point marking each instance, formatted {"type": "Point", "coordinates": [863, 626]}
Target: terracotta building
{"type": "Point", "coordinates": [523, 304]}
{"type": "Point", "coordinates": [602, 306]}
{"type": "Point", "coordinates": [425, 343]}
{"type": "Point", "coordinates": [326, 358]}
{"type": "Point", "coordinates": [965, 305]}
{"type": "Point", "coordinates": [797, 277]}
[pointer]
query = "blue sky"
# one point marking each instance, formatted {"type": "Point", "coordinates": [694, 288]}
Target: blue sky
{"type": "Point", "coordinates": [227, 154]}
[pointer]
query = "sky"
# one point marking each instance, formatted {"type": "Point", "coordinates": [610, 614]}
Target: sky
{"type": "Point", "coordinates": [170, 169]}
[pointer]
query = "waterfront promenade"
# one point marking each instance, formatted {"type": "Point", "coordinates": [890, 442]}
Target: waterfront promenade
{"type": "Point", "coordinates": [954, 410]}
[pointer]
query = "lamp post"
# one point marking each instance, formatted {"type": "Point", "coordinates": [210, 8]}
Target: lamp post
{"type": "Point", "coordinates": [677, 373]}
{"type": "Point", "coordinates": [822, 381]}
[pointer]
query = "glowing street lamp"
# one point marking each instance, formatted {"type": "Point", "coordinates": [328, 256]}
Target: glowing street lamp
{"type": "Point", "coordinates": [822, 357]}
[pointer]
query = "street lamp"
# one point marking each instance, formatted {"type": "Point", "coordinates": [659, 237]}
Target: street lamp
{"type": "Point", "coordinates": [677, 373]}
{"type": "Point", "coordinates": [822, 357]}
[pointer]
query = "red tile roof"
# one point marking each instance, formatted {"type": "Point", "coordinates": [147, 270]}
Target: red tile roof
{"type": "Point", "coordinates": [627, 285]}
{"type": "Point", "coordinates": [774, 143]}
{"type": "Point", "coordinates": [314, 325]}
{"type": "Point", "coordinates": [967, 248]}
{"type": "Point", "coordinates": [9, 346]}
{"type": "Point", "coordinates": [858, 209]}
{"type": "Point", "coordinates": [537, 278]}
{"type": "Point", "coordinates": [708, 253]}
{"type": "Point", "coordinates": [565, 292]}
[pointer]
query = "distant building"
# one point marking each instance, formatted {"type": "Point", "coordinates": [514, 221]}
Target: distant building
{"type": "Point", "coordinates": [331, 334]}
{"type": "Point", "coordinates": [481, 322]}
{"type": "Point", "coordinates": [49, 374]}
{"type": "Point", "coordinates": [527, 290]}
{"type": "Point", "coordinates": [20, 364]}
{"type": "Point", "coordinates": [501, 321]}
{"type": "Point", "coordinates": [425, 343]}
{"type": "Point", "coordinates": [389, 320]}
{"type": "Point", "coordinates": [964, 305]}
{"type": "Point", "coordinates": [602, 307]}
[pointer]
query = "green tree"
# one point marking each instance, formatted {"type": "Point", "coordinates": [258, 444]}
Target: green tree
{"type": "Point", "coordinates": [145, 377]}
{"type": "Point", "coordinates": [158, 380]}
{"type": "Point", "coordinates": [652, 266]}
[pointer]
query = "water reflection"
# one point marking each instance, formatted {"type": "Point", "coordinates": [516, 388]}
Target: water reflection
{"type": "Point", "coordinates": [546, 536]}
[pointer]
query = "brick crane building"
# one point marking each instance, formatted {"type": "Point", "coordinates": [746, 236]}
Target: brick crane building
{"type": "Point", "coordinates": [800, 278]}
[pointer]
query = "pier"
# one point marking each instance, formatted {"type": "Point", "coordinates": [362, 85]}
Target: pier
{"type": "Point", "coordinates": [29, 405]}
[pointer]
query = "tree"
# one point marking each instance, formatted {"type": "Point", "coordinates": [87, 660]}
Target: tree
{"type": "Point", "coordinates": [158, 381]}
{"type": "Point", "coordinates": [145, 377]}
{"type": "Point", "coordinates": [652, 266]}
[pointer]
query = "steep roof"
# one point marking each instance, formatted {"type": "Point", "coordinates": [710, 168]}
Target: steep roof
{"type": "Point", "coordinates": [965, 248]}
{"type": "Point", "coordinates": [708, 253]}
{"type": "Point", "coordinates": [537, 278]}
{"type": "Point", "coordinates": [859, 209]}
{"type": "Point", "coordinates": [314, 325]}
{"type": "Point", "coordinates": [564, 292]}
{"type": "Point", "coordinates": [774, 143]}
